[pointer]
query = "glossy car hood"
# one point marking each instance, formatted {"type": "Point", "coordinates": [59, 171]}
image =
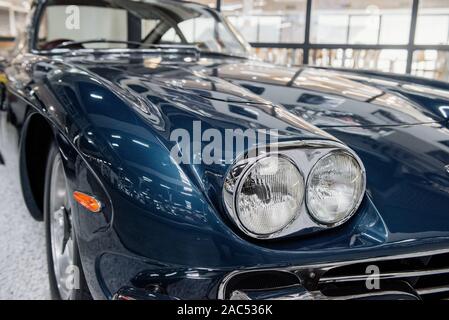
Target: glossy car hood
{"type": "Point", "coordinates": [325, 98]}
{"type": "Point", "coordinates": [405, 158]}
{"type": "Point", "coordinates": [157, 85]}
{"type": "Point", "coordinates": [328, 98]}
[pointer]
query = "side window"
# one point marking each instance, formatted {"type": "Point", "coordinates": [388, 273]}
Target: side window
{"type": "Point", "coordinates": [195, 31]}
{"type": "Point", "coordinates": [148, 26]}
{"type": "Point", "coordinates": [42, 35]}
{"type": "Point", "coordinates": [206, 33]}
{"type": "Point", "coordinates": [170, 37]}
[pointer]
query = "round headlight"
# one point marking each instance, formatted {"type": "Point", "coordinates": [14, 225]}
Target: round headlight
{"type": "Point", "coordinates": [270, 195]}
{"type": "Point", "coordinates": [335, 188]}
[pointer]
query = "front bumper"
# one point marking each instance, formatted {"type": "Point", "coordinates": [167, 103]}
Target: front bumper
{"type": "Point", "coordinates": [417, 276]}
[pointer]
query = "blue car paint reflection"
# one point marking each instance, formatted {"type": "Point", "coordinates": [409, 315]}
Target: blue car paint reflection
{"type": "Point", "coordinates": [165, 223]}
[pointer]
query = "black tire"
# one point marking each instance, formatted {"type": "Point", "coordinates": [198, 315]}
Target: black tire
{"type": "Point", "coordinates": [76, 294]}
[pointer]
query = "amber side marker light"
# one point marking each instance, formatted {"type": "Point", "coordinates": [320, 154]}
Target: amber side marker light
{"type": "Point", "coordinates": [88, 202]}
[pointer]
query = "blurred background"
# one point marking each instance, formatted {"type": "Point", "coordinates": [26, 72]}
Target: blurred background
{"type": "Point", "coordinates": [401, 36]}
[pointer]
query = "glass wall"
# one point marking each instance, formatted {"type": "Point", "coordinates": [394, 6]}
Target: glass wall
{"type": "Point", "coordinates": [209, 3]}
{"type": "Point", "coordinates": [368, 34]}
{"type": "Point", "coordinates": [432, 64]}
{"type": "Point", "coordinates": [4, 23]}
{"type": "Point", "coordinates": [19, 19]}
{"type": "Point", "coordinates": [432, 27]}
{"type": "Point", "coordinates": [364, 34]}
{"type": "Point", "coordinates": [12, 20]}
{"type": "Point", "coordinates": [268, 21]}
{"type": "Point", "coordinates": [381, 60]}
{"type": "Point", "coordinates": [360, 21]}
{"type": "Point", "coordinates": [282, 56]}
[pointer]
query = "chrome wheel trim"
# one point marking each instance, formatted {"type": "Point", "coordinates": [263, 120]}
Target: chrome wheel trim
{"type": "Point", "coordinates": [61, 230]}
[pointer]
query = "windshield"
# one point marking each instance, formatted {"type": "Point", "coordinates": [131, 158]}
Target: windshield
{"type": "Point", "coordinates": [115, 24]}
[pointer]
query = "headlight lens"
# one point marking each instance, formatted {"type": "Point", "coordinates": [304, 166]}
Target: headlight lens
{"type": "Point", "coordinates": [270, 196]}
{"type": "Point", "coordinates": [335, 188]}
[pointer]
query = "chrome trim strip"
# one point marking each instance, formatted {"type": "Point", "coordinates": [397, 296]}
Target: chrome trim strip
{"type": "Point", "coordinates": [316, 295]}
{"type": "Point", "coordinates": [372, 294]}
{"type": "Point", "coordinates": [390, 275]}
{"type": "Point", "coordinates": [324, 266]}
{"type": "Point", "coordinates": [424, 291]}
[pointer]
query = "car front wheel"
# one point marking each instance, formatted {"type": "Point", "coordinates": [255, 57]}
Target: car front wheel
{"type": "Point", "coordinates": [64, 266]}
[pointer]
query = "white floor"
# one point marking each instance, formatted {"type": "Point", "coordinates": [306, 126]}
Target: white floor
{"type": "Point", "coordinates": [23, 268]}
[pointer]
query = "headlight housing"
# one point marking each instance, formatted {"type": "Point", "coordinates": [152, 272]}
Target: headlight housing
{"type": "Point", "coordinates": [335, 188]}
{"type": "Point", "coordinates": [296, 189]}
{"type": "Point", "coordinates": [270, 195]}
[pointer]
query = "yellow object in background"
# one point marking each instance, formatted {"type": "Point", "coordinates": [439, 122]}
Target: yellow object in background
{"type": "Point", "coordinates": [3, 78]}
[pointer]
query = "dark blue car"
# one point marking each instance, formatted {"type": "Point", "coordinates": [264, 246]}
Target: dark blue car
{"type": "Point", "coordinates": [167, 163]}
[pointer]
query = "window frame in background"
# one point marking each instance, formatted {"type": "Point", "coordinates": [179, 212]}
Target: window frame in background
{"type": "Point", "coordinates": [302, 51]}
{"type": "Point", "coordinates": [307, 47]}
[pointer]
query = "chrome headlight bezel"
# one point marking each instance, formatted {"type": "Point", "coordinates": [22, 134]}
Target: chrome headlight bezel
{"type": "Point", "coordinates": [304, 155]}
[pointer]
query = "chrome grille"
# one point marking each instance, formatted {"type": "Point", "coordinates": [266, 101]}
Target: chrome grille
{"type": "Point", "coordinates": [421, 276]}
{"type": "Point", "coordinates": [427, 276]}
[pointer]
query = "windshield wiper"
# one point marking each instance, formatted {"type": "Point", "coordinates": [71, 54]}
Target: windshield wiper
{"type": "Point", "coordinates": [138, 45]}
